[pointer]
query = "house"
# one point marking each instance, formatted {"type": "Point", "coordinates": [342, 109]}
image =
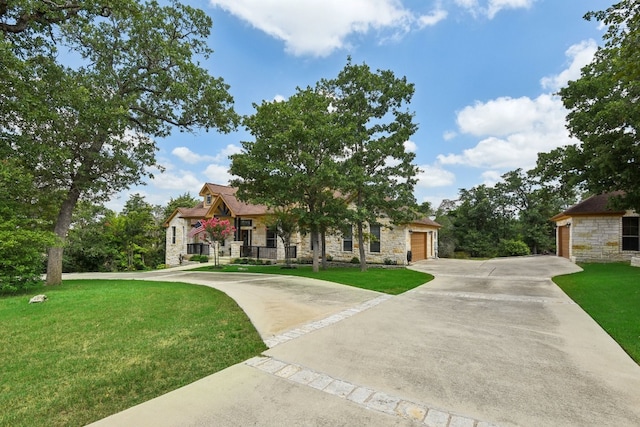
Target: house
{"type": "Point", "coordinates": [592, 231]}
{"type": "Point", "coordinates": [253, 238]}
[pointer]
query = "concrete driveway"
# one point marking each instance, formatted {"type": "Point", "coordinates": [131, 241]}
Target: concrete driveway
{"type": "Point", "coordinates": [485, 343]}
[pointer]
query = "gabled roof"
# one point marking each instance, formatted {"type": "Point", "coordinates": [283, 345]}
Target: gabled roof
{"type": "Point", "coordinates": [426, 221]}
{"type": "Point", "coordinates": [228, 195]}
{"type": "Point", "coordinates": [594, 205]}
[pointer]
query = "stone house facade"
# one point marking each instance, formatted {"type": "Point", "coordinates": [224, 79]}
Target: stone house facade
{"type": "Point", "coordinates": [593, 232]}
{"type": "Point", "coordinates": [397, 244]}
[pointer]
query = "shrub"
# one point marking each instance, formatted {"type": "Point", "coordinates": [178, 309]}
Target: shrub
{"type": "Point", "coordinates": [355, 260]}
{"type": "Point", "coordinates": [388, 261]}
{"type": "Point", "coordinates": [513, 248]}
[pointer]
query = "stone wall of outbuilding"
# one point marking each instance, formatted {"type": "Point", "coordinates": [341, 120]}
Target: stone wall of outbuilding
{"type": "Point", "coordinates": [598, 239]}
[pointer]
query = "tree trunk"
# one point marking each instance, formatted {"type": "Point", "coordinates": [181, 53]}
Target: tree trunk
{"type": "Point", "coordinates": [63, 222]}
{"type": "Point", "coordinates": [316, 251]}
{"type": "Point", "coordinates": [324, 250]}
{"type": "Point", "coordinates": [363, 259]}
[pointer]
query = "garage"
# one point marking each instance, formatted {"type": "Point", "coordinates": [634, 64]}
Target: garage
{"type": "Point", "coordinates": [563, 242]}
{"type": "Point", "coordinates": [418, 246]}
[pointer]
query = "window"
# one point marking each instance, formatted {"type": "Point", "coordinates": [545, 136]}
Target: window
{"type": "Point", "coordinates": [347, 240]}
{"type": "Point", "coordinates": [630, 233]}
{"type": "Point", "coordinates": [271, 238]}
{"type": "Point", "coordinates": [173, 235]}
{"type": "Point", "coordinates": [208, 199]}
{"type": "Point", "coordinates": [246, 223]}
{"type": "Point", "coordinates": [374, 245]}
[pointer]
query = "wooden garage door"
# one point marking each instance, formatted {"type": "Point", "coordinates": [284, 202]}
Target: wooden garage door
{"type": "Point", "coordinates": [418, 246]}
{"type": "Point", "coordinates": [563, 241]}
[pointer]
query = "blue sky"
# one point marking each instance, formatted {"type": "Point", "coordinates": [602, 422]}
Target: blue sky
{"type": "Point", "coordinates": [485, 74]}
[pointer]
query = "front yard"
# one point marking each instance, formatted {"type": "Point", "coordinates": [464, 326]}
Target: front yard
{"type": "Point", "coordinates": [97, 347]}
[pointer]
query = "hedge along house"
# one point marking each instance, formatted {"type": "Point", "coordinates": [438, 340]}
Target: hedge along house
{"type": "Point", "coordinates": [591, 231]}
{"type": "Point", "coordinates": [397, 244]}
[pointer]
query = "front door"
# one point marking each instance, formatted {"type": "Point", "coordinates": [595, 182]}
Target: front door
{"type": "Point", "coordinates": [245, 236]}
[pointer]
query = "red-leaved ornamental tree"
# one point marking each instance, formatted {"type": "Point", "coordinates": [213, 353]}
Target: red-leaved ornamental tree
{"type": "Point", "coordinates": [215, 231]}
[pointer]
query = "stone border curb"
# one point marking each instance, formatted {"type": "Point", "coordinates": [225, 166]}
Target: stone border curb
{"type": "Point", "coordinates": [363, 396]}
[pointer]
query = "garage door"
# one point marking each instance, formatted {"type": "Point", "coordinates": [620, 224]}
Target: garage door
{"type": "Point", "coordinates": [563, 241]}
{"type": "Point", "coordinates": [418, 246]}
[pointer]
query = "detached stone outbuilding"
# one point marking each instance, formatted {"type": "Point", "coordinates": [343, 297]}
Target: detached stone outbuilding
{"type": "Point", "coordinates": [591, 231]}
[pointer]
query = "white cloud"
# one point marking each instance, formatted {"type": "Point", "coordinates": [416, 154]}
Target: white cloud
{"type": "Point", "coordinates": [431, 176]}
{"type": "Point", "coordinates": [319, 27]}
{"type": "Point", "coordinates": [218, 174]}
{"type": "Point", "coordinates": [579, 55]}
{"type": "Point", "coordinates": [515, 130]}
{"type": "Point", "coordinates": [491, 178]}
{"type": "Point", "coordinates": [410, 146]}
{"type": "Point", "coordinates": [279, 98]}
{"type": "Point", "coordinates": [449, 135]}
{"type": "Point", "coordinates": [188, 156]}
{"type": "Point", "coordinates": [491, 8]}
{"type": "Point", "coordinates": [179, 180]}
{"type": "Point", "coordinates": [433, 18]}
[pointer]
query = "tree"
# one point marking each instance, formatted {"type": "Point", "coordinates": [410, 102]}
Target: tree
{"type": "Point", "coordinates": [378, 171]}
{"type": "Point", "coordinates": [215, 231]}
{"type": "Point", "coordinates": [88, 131]}
{"type": "Point", "coordinates": [604, 113]}
{"type": "Point", "coordinates": [293, 161]}
{"type": "Point", "coordinates": [22, 242]}
{"type": "Point", "coordinates": [285, 225]}
{"type": "Point", "coordinates": [89, 245]}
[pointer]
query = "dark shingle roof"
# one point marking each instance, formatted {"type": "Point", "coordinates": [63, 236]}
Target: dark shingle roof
{"type": "Point", "coordinates": [592, 206]}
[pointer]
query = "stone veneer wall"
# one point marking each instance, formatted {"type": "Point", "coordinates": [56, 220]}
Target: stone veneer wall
{"type": "Point", "coordinates": [598, 239]}
{"type": "Point", "coordinates": [393, 246]}
{"type": "Point", "coordinates": [173, 251]}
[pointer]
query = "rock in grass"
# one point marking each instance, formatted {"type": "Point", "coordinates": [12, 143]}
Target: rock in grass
{"type": "Point", "coordinates": [38, 298]}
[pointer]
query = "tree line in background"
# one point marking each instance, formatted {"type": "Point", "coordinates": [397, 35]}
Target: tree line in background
{"type": "Point", "coordinates": [511, 218]}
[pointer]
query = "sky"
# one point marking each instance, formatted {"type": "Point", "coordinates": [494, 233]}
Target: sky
{"type": "Point", "coordinates": [485, 73]}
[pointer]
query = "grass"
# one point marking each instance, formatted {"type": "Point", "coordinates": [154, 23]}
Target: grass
{"type": "Point", "coordinates": [610, 293]}
{"type": "Point", "coordinates": [98, 347]}
{"type": "Point", "coordinates": [391, 281]}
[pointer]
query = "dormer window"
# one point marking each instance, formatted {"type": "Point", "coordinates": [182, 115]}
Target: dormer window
{"type": "Point", "coordinates": [208, 202]}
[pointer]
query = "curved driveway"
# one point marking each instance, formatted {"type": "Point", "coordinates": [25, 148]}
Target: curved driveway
{"type": "Point", "coordinates": [485, 343]}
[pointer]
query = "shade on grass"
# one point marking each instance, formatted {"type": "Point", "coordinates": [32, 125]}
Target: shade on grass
{"type": "Point", "coordinates": [98, 347]}
{"type": "Point", "coordinates": [391, 281]}
{"type": "Point", "coordinates": [610, 293]}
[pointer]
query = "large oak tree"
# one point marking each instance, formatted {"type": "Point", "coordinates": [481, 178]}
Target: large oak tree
{"type": "Point", "coordinates": [604, 113]}
{"type": "Point", "coordinates": [84, 122]}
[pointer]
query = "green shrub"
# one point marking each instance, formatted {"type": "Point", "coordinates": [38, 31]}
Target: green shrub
{"type": "Point", "coordinates": [513, 248]}
{"type": "Point", "coordinates": [388, 261]}
{"type": "Point", "coordinates": [355, 260]}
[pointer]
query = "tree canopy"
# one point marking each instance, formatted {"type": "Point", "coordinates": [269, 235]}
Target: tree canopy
{"type": "Point", "coordinates": [87, 131]}
{"type": "Point", "coordinates": [324, 148]}
{"type": "Point", "coordinates": [293, 161]}
{"type": "Point", "coordinates": [604, 113]}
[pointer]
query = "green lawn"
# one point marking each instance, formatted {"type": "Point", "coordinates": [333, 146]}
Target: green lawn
{"type": "Point", "coordinates": [98, 347]}
{"type": "Point", "coordinates": [392, 281]}
{"type": "Point", "coordinates": [610, 293]}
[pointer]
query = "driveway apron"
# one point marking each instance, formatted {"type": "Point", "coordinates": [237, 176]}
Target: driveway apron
{"type": "Point", "coordinates": [487, 343]}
